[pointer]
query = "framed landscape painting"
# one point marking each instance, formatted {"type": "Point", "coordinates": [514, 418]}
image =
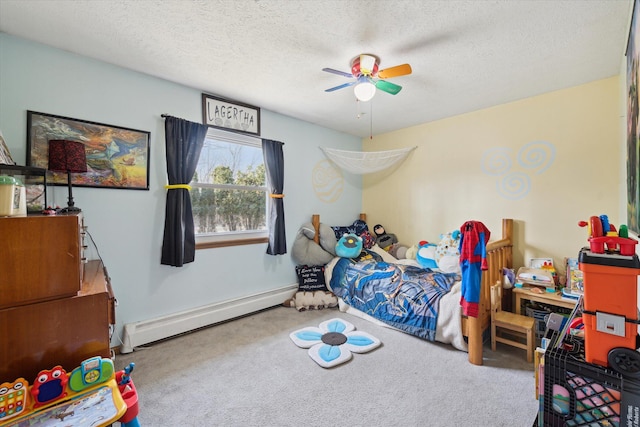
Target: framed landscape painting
{"type": "Point", "coordinates": [117, 157]}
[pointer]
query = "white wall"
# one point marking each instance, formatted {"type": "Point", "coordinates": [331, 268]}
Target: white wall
{"type": "Point", "coordinates": [127, 225]}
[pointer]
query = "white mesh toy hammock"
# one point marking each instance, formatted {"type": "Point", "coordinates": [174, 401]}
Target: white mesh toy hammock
{"type": "Point", "coordinates": [362, 162]}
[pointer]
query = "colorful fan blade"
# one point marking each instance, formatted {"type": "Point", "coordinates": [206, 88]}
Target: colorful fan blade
{"type": "Point", "coordinates": [338, 72]}
{"type": "Point", "coordinates": [398, 70]}
{"type": "Point", "coordinates": [388, 87]}
{"type": "Point", "coordinates": [341, 86]}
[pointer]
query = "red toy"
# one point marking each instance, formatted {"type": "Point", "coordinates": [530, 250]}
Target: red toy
{"type": "Point", "coordinates": [603, 237]}
{"type": "Point", "coordinates": [49, 385]}
{"type": "Point", "coordinates": [130, 396]}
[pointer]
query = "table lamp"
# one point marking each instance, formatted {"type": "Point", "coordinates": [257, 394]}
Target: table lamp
{"type": "Point", "coordinates": [67, 156]}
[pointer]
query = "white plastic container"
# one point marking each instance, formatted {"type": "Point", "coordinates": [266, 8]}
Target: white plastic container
{"type": "Point", "coordinates": [13, 198]}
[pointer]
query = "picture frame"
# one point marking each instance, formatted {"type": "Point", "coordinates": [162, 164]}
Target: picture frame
{"type": "Point", "coordinates": [230, 115]}
{"type": "Point", "coordinates": [5, 154]}
{"type": "Point", "coordinates": [117, 157]}
{"type": "Point", "coordinates": [633, 124]}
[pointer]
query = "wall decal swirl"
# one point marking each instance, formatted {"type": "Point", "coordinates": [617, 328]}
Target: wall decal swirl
{"type": "Point", "coordinates": [514, 185]}
{"type": "Point", "coordinates": [537, 155]}
{"type": "Point", "coordinates": [496, 161]}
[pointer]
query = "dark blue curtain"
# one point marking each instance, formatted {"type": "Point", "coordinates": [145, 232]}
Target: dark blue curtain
{"type": "Point", "coordinates": [274, 165]}
{"type": "Point", "coordinates": [184, 142]}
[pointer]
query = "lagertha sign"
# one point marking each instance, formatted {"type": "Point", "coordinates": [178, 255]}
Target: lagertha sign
{"type": "Point", "coordinates": [230, 115]}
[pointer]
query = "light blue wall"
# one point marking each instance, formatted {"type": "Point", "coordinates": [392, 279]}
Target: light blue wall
{"type": "Point", "coordinates": [127, 225]}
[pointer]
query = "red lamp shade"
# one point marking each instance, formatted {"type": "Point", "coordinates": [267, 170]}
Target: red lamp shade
{"type": "Point", "coordinates": [67, 156]}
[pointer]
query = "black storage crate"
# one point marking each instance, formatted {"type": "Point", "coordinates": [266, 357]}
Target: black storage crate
{"type": "Point", "coordinates": [577, 393]}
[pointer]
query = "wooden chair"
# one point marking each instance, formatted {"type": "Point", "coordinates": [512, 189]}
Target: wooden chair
{"type": "Point", "coordinates": [505, 323]}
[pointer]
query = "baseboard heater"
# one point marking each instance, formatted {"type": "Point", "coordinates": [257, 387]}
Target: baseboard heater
{"type": "Point", "coordinates": [146, 331]}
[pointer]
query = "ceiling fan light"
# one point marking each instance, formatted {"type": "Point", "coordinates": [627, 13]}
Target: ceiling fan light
{"type": "Point", "coordinates": [367, 62]}
{"type": "Point", "coordinates": [364, 91]}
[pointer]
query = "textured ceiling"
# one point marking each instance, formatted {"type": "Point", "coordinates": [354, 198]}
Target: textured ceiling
{"type": "Point", "coordinates": [465, 55]}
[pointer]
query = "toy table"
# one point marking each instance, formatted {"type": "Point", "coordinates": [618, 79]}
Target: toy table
{"type": "Point", "coordinates": [101, 405]}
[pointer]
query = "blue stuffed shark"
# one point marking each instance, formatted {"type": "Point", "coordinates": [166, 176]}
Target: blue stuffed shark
{"type": "Point", "coordinates": [426, 255]}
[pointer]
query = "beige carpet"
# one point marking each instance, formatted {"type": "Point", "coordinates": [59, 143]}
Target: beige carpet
{"type": "Point", "coordinates": [248, 372]}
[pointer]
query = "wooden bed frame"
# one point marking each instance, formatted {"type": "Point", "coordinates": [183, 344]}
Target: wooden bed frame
{"type": "Point", "coordinates": [499, 256]}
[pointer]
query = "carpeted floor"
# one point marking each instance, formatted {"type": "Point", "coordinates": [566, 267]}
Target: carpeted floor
{"type": "Point", "coordinates": [248, 372]}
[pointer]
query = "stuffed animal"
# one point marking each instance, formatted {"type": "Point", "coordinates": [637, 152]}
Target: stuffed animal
{"type": "Point", "coordinates": [359, 228]}
{"type": "Point", "coordinates": [349, 246]}
{"type": "Point", "coordinates": [449, 245]}
{"type": "Point", "coordinates": [306, 251]}
{"type": "Point", "coordinates": [426, 255]}
{"type": "Point", "coordinates": [389, 242]}
{"type": "Point", "coordinates": [448, 253]}
{"type": "Point", "coordinates": [312, 300]}
{"type": "Point", "coordinates": [411, 252]}
{"type": "Point", "coordinates": [384, 239]}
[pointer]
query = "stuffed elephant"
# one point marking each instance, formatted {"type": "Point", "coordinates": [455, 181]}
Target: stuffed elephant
{"type": "Point", "coordinates": [307, 252]}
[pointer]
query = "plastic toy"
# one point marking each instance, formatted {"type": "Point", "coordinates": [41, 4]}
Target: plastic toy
{"type": "Point", "coordinates": [603, 237]}
{"type": "Point", "coordinates": [90, 372]}
{"type": "Point", "coordinates": [13, 398]}
{"type": "Point", "coordinates": [130, 396]}
{"type": "Point", "coordinates": [50, 385]}
{"type": "Point", "coordinates": [88, 396]}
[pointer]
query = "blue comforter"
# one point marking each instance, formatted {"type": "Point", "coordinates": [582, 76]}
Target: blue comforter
{"type": "Point", "coordinates": [405, 297]}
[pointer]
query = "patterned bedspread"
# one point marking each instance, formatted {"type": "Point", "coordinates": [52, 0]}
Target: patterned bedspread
{"type": "Point", "coordinates": [405, 297]}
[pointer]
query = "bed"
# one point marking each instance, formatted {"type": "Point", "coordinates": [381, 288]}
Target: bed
{"type": "Point", "coordinates": [464, 333]}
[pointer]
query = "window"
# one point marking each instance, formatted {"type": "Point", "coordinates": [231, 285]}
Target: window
{"type": "Point", "coordinates": [229, 192]}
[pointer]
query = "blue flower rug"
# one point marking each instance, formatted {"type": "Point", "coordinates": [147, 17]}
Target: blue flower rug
{"type": "Point", "coordinates": [333, 342]}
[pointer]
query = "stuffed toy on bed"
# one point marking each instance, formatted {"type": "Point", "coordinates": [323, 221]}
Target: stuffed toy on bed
{"type": "Point", "coordinates": [359, 228]}
{"type": "Point", "coordinates": [426, 255]}
{"type": "Point", "coordinates": [448, 252]}
{"type": "Point", "coordinates": [349, 246]}
{"type": "Point", "coordinates": [389, 242]}
{"type": "Point", "coordinates": [306, 251]}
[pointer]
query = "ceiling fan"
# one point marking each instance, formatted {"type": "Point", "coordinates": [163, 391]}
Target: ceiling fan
{"type": "Point", "coordinates": [367, 77]}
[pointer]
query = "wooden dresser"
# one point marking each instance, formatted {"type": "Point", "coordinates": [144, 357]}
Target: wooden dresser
{"type": "Point", "coordinates": [55, 308]}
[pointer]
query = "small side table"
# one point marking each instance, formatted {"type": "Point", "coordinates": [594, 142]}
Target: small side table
{"type": "Point", "coordinates": [551, 298]}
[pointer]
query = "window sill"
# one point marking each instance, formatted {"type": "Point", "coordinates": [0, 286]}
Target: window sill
{"type": "Point", "coordinates": [234, 242]}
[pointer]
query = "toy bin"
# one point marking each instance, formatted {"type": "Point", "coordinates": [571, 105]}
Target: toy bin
{"type": "Point", "coordinates": [610, 313]}
{"type": "Point", "coordinates": [577, 393]}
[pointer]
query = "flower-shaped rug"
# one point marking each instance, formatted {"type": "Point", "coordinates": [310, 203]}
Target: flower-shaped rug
{"type": "Point", "coordinates": [333, 342]}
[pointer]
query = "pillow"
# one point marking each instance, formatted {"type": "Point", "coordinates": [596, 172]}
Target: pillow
{"type": "Point", "coordinates": [311, 278]}
{"type": "Point", "coordinates": [359, 228]}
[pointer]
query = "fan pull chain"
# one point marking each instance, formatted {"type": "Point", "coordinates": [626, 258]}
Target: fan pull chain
{"type": "Point", "coordinates": [370, 119]}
